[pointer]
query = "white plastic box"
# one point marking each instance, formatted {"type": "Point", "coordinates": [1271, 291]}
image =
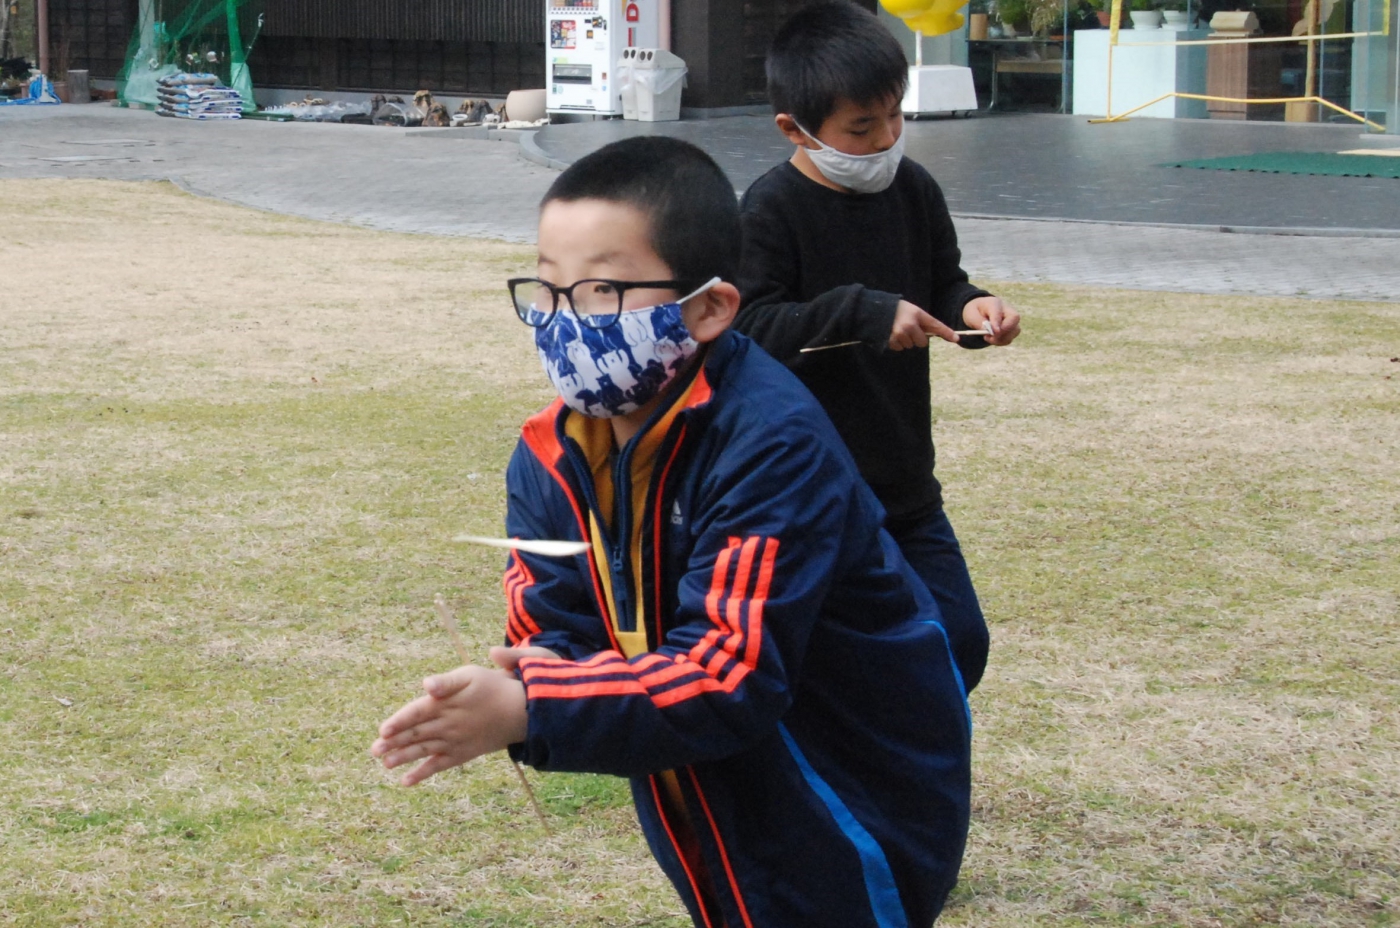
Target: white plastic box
{"type": "Point", "coordinates": [626, 84]}
{"type": "Point", "coordinates": [659, 78]}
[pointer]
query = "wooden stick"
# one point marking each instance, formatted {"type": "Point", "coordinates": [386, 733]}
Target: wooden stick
{"type": "Point", "coordinates": [982, 332]}
{"type": "Point", "coordinates": [829, 347]}
{"type": "Point", "coordinates": [449, 622]}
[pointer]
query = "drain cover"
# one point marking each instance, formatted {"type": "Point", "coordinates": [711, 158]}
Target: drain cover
{"type": "Point", "coordinates": [123, 142]}
{"type": "Point", "coordinates": [81, 159]}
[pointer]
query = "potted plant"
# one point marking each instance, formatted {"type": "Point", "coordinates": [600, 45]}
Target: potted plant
{"type": "Point", "coordinates": [1174, 15]}
{"type": "Point", "coordinates": [1014, 16]}
{"type": "Point", "coordinates": [1045, 16]}
{"type": "Point", "coordinates": [1145, 14]}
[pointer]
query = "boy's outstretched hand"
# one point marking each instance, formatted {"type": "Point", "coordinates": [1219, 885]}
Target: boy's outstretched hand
{"type": "Point", "coordinates": [466, 713]}
{"type": "Point", "coordinates": [1006, 322]}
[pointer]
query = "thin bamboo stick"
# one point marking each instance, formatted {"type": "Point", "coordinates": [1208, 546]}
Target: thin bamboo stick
{"type": "Point", "coordinates": [449, 622]}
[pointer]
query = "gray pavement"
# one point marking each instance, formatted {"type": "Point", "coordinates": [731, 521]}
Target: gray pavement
{"type": "Point", "coordinates": [1041, 166]}
{"type": "Point", "coordinates": [458, 182]}
{"type": "Point", "coordinates": [403, 180]}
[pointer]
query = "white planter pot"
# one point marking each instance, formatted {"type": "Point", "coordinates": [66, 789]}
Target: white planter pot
{"type": "Point", "coordinates": [1175, 20]}
{"type": "Point", "coordinates": [1146, 19]}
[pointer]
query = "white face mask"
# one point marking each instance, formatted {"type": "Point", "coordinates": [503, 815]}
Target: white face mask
{"type": "Point", "coordinates": [861, 173]}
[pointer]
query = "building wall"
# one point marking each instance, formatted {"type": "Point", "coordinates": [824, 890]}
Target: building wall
{"type": "Point", "coordinates": [397, 65]}
{"type": "Point", "coordinates": [459, 46]}
{"type": "Point", "coordinates": [453, 46]}
{"type": "Point", "coordinates": [90, 34]}
{"type": "Point", "coordinates": [724, 43]}
{"type": "Point", "coordinates": [515, 21]}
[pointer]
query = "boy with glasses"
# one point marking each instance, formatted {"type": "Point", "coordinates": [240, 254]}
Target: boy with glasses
{"type": "Point", "coordinates": [741, 638]}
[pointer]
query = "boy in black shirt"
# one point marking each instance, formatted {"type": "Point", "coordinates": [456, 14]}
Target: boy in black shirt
{"type": "Point", "coordinates": [850, 264]}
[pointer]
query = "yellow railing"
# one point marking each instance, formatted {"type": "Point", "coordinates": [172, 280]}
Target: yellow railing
{"type": "Point", "coordinates": [1312, 37]}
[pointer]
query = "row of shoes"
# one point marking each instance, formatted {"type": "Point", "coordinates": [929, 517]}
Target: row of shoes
{"type": "Point", "coordinates": [426, 111]}
{"type": "Point", "coordinates": [385, 110]}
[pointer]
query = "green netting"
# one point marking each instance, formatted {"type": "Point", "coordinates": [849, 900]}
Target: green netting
{"type": "Point", "coordinates": [1302, 162]}
{"type": "Point", "coordinates": [210, 36]}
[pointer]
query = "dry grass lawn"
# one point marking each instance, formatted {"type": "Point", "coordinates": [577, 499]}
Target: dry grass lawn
{"type": "Point", "coordinates": [233, 447]}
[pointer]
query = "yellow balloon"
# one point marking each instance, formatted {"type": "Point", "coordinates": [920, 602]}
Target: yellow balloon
{"type": "Point", "coordinates": [905, 9]}
{"type": "Point", "coordinates": [938, 21]}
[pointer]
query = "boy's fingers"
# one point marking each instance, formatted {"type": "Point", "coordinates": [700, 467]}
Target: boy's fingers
{"type": "Point", "coordinates": [510, 658]}
{"type": "Point", "coordinates": [931, 326]}
{"type": "Point", "coordinates": [415, 713]}
{"type": "Point", "coordinates": [435, 764]}
{"type": "Point", "coordinates": [417, 734]}
{"type": "Point", "coordinates": [443, 685]}
{"type": "Point", "coordinates": [414, 752]}
{"type": "Point", "coordinates": [1008, 328]}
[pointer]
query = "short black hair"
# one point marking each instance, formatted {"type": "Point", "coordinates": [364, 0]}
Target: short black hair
{"type": "Point", "coordinates": [832, 51]}
{"type": "Point", "coordinates": [690, 205]}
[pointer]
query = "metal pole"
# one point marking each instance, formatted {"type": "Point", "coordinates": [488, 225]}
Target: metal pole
{"type": "Point", "coordinates": [918, 49]}
{"type": "Point", "coordinates": [41, 26]}
{"type": "Point", "coordinates": [663, 25]}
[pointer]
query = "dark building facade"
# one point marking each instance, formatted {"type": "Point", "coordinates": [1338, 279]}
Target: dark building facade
{"type": "Point", "coordinates": [449, 46]}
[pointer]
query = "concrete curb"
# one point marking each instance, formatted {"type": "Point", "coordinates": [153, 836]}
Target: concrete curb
{"type": "Point", "coordinates": [530, 150]}
{"type": "Point", "coordinates": [1303, 231]}
{"type": "Point", "coordinates": [458, 133]}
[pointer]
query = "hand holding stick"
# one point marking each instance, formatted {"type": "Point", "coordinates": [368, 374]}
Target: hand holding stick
{"type": "Point", "coordinates": [449, 622]}
{"type": "Point", "coordinates": [985, 331]}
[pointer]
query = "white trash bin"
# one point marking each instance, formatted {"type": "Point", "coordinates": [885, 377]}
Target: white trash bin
{"type": "Point", "coordinates": [659, 77]}
{"type": "Point", "coordinates": [626, 85]}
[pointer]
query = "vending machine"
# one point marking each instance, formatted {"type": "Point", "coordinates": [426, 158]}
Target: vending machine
{"type": "Point", "coordinates": [584, 41]}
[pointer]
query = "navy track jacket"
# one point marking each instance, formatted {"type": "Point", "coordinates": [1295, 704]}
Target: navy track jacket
{"type": "Point", "coordinates": [748, 646]}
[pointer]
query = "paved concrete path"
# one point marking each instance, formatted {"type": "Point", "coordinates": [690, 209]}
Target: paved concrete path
{"type": "Point", "coordinates": [442, 182]}
{"type": "Point", "coordinates": [402, 180]}
{"type": "Point", "coordinates": [1042, 166]}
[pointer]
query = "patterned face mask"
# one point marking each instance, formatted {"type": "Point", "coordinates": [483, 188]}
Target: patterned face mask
{"type": "Point", "coordinates": [614, 371]}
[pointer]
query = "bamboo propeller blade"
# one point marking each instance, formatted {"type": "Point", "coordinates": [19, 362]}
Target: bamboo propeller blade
{"type": "Point", "coordinates": [985, 330]}
{"type": "Point", "coordinates": [542, 547]}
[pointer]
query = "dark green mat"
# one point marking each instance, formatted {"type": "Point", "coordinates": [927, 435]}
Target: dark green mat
{"type": "Point", "coordinates": [1301, 162]}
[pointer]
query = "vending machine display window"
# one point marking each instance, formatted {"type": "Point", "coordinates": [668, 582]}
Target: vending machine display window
{"type": "Point", "coordinates": [584, 41]}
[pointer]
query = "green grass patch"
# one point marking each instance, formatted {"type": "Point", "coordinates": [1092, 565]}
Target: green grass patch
{"type": "Point", "coordinates": [224, 516]}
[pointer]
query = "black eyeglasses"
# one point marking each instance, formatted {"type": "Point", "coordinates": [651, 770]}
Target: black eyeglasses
{"type": "Point", "coordinates": [596, 303]}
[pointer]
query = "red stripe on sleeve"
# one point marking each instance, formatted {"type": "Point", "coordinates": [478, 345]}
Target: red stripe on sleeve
{"type": "Point", "coordinates": [718, 663]}
{"type": "Point", "coordinates": [740, 593]}
{"type": "Point", "coordinates": [527, 579]}
{"type": "Point", "coordinates": [627, 687]}
{"type": "Point", "coordinates": [760, 596]}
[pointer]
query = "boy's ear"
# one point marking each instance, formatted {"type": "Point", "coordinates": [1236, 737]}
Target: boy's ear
{"type": "Point", "coordinates": [788, 127]}
{"type": "Point", "coordinates": [709, 314]}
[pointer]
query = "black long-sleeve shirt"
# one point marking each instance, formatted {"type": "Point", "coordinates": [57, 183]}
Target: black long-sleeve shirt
{"type": "Point", "coordinates": [821, 267]}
